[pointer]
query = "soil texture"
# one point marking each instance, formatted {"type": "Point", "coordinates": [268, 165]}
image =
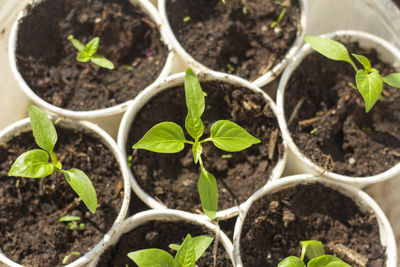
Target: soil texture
{"type": "Point", "coordinates": [47, 60]}
{"type": "Point", "coordinates": [30, 233]}
{"type": "Point", "coordinates": [157, 234]}
{"type": "Point", "coordinates": [235, 37]}
{"type": "Point", "coordinates": [276, 224]}
{"type": "Point", "coordinates": [332, 128]}
{"type": "Point", "coordinates": [173, 178]}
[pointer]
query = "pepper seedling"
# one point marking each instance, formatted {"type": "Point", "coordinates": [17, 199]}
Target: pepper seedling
{"type": "Point", "coordinates": [69, 255]}
{"type": "Point", "coordinates": [168, 137]}
{"type": "Point", "coordinates": [187, 253]}
{"type": "Point", "coordinates": [315, 253]}
{"type": "Point", "coordinates": [72, 222]}
{"type": "Point", "coordinates": [88, 52]}
{"type": "Point", "coordinates": [35, 163]}
{"type": "Point", "coordinates": [368, 80]}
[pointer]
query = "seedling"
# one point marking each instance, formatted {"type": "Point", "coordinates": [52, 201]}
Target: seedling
{"type": "Point", "coordinates": [168, 137]}
{"type": "Point", "coordinates": [88, 52]}
{"type": "Point", "coordinates": [279, 19]}
{"type": "Point", "coordinates": [72, 222]}
{"type": "Point", "coordinates": [314, 250]}
{"type": "Point", "coordinates": [187, 253]}
{"type": "Point", "coordinates": [69, 255]}
{"type": "Point", "coordinates": [368, 80]}
{"type": "Point", "coordinates": [35, 163]}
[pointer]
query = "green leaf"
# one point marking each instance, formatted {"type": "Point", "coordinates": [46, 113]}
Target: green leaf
{"type": "Point", "coordinates": [32, 164]}
{"type": "Point", "coordinates": [92, 46]}
{"type": "Point", "coordinates": [83, 57]}
{"type": "Point", "coordinates": [230, 137]}
{"type": "Point", "coordinates": [363, 61]}
{"type": "Point", "coordinates": [186, 257]}
{"type": "Point", "coordinates": [208, 191]}
{"type": "Point", "coordinates": [76, 43]}
{"type": "Point", "coordinates": [330, 48]}
{"type": "Point", "coordinates": [370, 86]}
{"type": "Point", "coordinates": [102, 62]}
{"type": "Point", "coordinates": [201, 243]}
{"type": "Point", "coordinates": [312, 249]}
{"type": "Point", "coordinates": [69, 218]}
{"type": "Point", "coordinates": [174, 246]}
{"type": "Point", "coordinates": [392, 79]}
{"type": "Point", "coordinates": [195, 102]}
{"type": "Point", "coordinates": [292, 261]}
{"type": "Point", "coordinates": [165, 137]}
{"type": "Point", "coordinates": [197, 150]}
{"type": "Point", "coordinates": [327, 261]}
{"type": "Point", "coordinates": [82, 185]}
{"type": "Point", "coordinates": [43, 129]}
{"type": "Point", "coordinates": [152, 257]}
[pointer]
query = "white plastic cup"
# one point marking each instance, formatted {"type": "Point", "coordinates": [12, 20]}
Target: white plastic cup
{"type": "Point", "coordinates": [178, 80]}
{"type": "Point", "coordinates": [107, 118]}
{"type": "Point", "coordinates": [264, 79]}
{"type": "Point", "coordinates": [297, 162]}
{"type": "Point", "coordinates": [167, 215]}
{"type": "Point", "coordinates": [89, 128]}
{"type": "Point", "coordinates": [365, 203]}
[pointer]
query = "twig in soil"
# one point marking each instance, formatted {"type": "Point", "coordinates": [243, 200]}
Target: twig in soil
{"type": "Point", "coordinates": [307, 122]}
{"type": "Point", "coordinates": [70, 206]}
{"type": "Point", "coordinates": [295, 110]}
{"type": "Point", "coordinates": [347, 253]}
{"type": "Point", "coordinates": [272, 143]}
{"type": "Point", "coordinates": [216, 242]}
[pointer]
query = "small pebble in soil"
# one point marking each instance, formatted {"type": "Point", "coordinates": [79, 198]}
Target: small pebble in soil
{"type": "Point", "coordinates": [352, 161]}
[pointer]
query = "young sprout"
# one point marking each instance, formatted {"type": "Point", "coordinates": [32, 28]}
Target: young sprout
{"type": "Point", "coordinates": [69, 255]}
{"type": "Point", "coordinates": [314, 250]}
{"type": "Point", "coordinates": [279, 19]}
{"type": "Point", "coordinates": [72, 222]}
{"type": "Point", "coordinates": [168, 137]}
{"type": "Point", "coordinates": [35, 163]}
{"type": "Point", "coordinates": [187, 253]}
{"type": "Point", "coordinates": [88, 52]}
{"type": "Point", "coordinates": [368, 80]}
{"type": "Point", "coordinates": [186, 19]}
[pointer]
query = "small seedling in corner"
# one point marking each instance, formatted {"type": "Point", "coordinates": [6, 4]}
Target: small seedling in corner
{"type": "Point", "coordinates": [168, 137]}
{"type": "Point", "coordinates": [69, 255]}
{"type": "Point", "coordinates": [368, 80]}
{"type": "Point", "coordinates": [35, 163]}
{"type": "Point", "coordinates": [314, 250]}
{"type": "Point", "coordinates": [88, 52]}
{"type": "Point", "coordinates": [72, 222]}
{"type": "Point", "coordinates": [187, 253]}
{"type": "Point", "coordinates": [279, 19]}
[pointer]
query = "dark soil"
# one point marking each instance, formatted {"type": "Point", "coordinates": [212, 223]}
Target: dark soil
{"type": "Point", "coordinates": [159, 235]}
{"type": "Point", "coordinates": [30, 232]}
{"type": "Point", "coordinates": [172, 178]}
{"type": "Point", "coordinates": [47, 60]}
{"type": "Point", "coordinates": [277, 223]}
{"type": "Point", "coordinates": [347, 140]}
{"type": "Point", "coordinates": [226, 38]}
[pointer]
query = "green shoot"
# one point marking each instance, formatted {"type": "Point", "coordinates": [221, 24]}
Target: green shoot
{"type": "Point", "coordinates": [187, 253]}
{"type": "Point", "coordinates": [223, 1]}
{"type": "Point", "coordinates": [186, 19]}
{"type": "Point", "coordinates": [368, 80]}
{"type": "Point", "coordinates": [88, 52]}
{"type": "Point", "coordinates": [168, 137]}
{"type": "Point", "coordinates": [35, 163]}
{"type": "Point", "coordinates": [279, 19]}
{"type": "Point", "coordinates": [230, 67]}
{"type": "Point", "coordinates": [72, 222]}
{"type": "Point", "coordinates": [69, 255]}
{"type": "Point", "coordinates": [315, 253]}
